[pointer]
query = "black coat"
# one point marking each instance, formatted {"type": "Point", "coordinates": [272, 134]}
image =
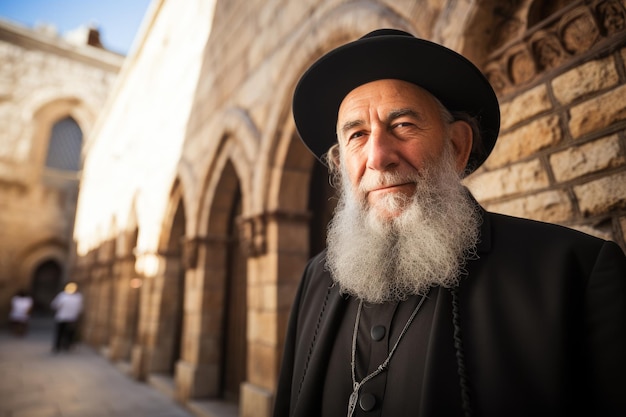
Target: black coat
{"type": "Point", "coordinates": [542, 326]}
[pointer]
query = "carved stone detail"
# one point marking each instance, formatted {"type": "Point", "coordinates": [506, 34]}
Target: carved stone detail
{"type": "Point", "coordinates": [554, 42]}
{"type": "Point", "coordinates": [521, 65]}
{"type": "Point", "coordinates": [612, 17]}
{"type": "Point", "coordinates": [579, 31]}
{"type": "Point", "coordinates": [252, 235]}
{"type": "Point", "coordinates": [547, 50]}
{"type": "Point", "coordinates": [497, 76]}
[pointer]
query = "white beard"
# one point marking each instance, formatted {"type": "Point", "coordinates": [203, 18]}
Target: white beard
{"type": "Point", "coordinates": [381, 259]}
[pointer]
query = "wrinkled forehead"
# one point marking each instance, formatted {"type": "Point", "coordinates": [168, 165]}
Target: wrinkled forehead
{"type": "Point", "coordinates": [385, 99]}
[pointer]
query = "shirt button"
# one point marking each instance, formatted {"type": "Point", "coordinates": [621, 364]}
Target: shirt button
{"type": "Point", "coordinates": [367, 402]}
{"type": "Point", "coordinates": [378, 332]}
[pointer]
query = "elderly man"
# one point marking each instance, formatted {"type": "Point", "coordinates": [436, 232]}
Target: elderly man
{"type": "Point", "coordinates": [424, 304]}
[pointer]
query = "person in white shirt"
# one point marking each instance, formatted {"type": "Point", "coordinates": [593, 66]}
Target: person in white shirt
{"type": "Point", "coordinates": [68, 306]}
{"type": "Point", "coordinates": [21, 306]}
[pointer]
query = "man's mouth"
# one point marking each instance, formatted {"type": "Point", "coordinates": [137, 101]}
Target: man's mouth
{"type": "Point", "coordinates": [391, 188]}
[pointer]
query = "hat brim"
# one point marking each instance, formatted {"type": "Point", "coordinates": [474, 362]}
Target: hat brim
{"type": "Point", "coordinates": [447, 75]}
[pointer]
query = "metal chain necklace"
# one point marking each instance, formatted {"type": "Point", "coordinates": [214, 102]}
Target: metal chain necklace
{"type": "Point", "coordinates": [356, 386]}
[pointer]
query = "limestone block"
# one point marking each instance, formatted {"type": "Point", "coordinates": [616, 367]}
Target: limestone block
{"type": "Point", "coordinates": [525, 141]}
{"type": "Point", "coordinates": [195, 381]}
{"type": "Point", "coordinates": [602, 195]}
{"type": "Point", "coordinates": [522, 177]}
{"type": "Point", "coordinates": [587, 78]}
{"type": "Point", "coordinates": [524, 106]}
{"type": "Point", "coordinates": [255, 401]}
{"type": "Point", "coordinates": [262, 297]}
{"type": "Point", "coordinates": [263, 363]}
{"type": "Point", "coordinates": [262, 269]}
{"type": "Point", "coordinates": [551, 206]}
{"type": "Point", "coordinates": [598, 112]}
{"type": "Point", "coordinates": [262, 327]}
{"type": "Point", "coordinates": [591, 157]}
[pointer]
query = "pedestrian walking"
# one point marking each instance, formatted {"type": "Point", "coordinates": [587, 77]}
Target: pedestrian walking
{"type": "Point", "coordinates": [21, 307]}
{"type": "Point", "coordinates": [68, 306]}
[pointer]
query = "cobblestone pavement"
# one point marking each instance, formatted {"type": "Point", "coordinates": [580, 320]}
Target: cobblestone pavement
{"type": "Point", "coordinates": [34, 382]}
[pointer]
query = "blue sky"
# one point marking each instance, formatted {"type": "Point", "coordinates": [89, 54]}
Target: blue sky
{"type": "Point", "coordinates": [117, 20]}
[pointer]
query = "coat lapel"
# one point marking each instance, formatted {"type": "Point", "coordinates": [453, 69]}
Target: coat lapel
{"type": "Point", "coordinates": [309, 401]}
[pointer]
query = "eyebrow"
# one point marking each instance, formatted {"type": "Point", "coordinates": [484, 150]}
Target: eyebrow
{"type": "Point", "coordinates": [350, 125]}
{"type": "Point", "coordinates": [392, 115]}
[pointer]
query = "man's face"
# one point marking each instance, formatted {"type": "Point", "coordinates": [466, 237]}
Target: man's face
{"type": "Point", "coordinates": [393, 127]}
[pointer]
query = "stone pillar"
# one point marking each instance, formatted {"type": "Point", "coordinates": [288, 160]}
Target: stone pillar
{"type": "Point", "coordinates": [141, 353]}
{"type": "Point", "coordinates": [278, 243]}
{"type": "Point", "coordinates": [198, 370]}
{"type": "Point", "coordinates": [123, 311]}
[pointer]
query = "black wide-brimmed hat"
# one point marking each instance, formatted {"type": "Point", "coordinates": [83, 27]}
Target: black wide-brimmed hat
{"type": "Point", "coordinates": [392, 54]}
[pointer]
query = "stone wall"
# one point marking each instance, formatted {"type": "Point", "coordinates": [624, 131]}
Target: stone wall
{"type": "Point", "coordinates": [561, 154]}
{"type": "Point", "coordinates": [43, 79]}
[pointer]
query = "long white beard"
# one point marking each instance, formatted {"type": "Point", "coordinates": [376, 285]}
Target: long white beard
{"type": "Point", "coordinates": [388, 259]}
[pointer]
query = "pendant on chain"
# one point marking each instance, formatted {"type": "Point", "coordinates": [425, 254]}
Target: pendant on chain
{"type": "Point", "coordinates": [353, 399]}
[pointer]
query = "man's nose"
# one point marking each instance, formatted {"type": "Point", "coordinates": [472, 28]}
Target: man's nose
{"type": "Point", "coordinates": [381, 153]}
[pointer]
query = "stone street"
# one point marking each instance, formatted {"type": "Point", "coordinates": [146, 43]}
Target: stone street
{"type": "Point", "coordinates": [34, 382]}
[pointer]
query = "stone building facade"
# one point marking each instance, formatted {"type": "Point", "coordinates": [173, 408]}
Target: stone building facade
{"type": "Point", "coordinates": [199, 206]}
{"type": "Point", "coordinates": [51, 92]}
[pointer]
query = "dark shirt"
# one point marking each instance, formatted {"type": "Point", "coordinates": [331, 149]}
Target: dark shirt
{"type": "Point", "coordinates": [394, 391]}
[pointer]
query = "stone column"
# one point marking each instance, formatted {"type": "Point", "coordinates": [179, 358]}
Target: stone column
{"type": "Point", "coordinates": [198, 370]}
{"type": "Point", "coordinates": [278, 242]}
{"type": "Point", "coordinates": [123, 317]}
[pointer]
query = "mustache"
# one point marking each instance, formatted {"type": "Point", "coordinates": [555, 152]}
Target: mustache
{"type": "Point", "coordinates": [370, 182]}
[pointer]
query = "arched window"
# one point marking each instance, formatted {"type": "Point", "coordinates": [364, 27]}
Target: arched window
{"type": "Point", "coordinates": [65, 146]}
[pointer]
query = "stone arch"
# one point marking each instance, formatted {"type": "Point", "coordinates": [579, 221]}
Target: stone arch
{"type": "Point", "coordinates": [46, 250]}
{"type": "Point", "coordinates": [167, 288]}
{"type": "Point", "coordinates": [129, 232]}
{"type": "Point", "coordinates": [46, 114]}
{"type": "Point", "coordinates": [237, 138]}
{"type": "Point", "coordinates": [222, 272]}
{"type": "Point", "coordinates": [99, 291]}
{"type": "Point", "coordinates": [127, 289]}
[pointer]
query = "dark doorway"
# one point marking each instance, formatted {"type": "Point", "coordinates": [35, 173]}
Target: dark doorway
{"type": "Point", "coordinates": [46, 284]}
{"type": "Point", "coordinates": [235, 350]}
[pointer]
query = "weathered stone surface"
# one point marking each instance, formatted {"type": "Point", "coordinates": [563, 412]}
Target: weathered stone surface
{"type": "Point", "coordinates": [602, 195]}
{"type": "Point", "coordinates": [598, 112]}
{"type": "Point", "coordinates": [585, 79]}
{"type": "Point", "coordinates": [517, 178]}
{"type": "Point", "coordinates": [524, 106]}
{"type": "Point", "coordinates": [549, 206]}
{"type": "Point", "coordinates": [591, 157]}
{"type": "Point", "coordinates": [525, 141]}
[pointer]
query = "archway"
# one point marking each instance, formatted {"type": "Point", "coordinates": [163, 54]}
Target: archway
{"type": "Point", "coordinates": [46, 283]}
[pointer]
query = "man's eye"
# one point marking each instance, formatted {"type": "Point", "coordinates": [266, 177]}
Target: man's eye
{"type": "Point", "coordinates": [403, 124]}
{"type": "Point", "coordinates": [355, 135]}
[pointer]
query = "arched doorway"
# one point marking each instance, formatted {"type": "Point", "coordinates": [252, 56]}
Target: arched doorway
{"type": "Point", "coordinates": [46, 283]}
{"type": "Point", "coordinates": [235, 308]}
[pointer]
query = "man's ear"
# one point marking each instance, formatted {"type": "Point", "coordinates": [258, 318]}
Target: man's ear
{"type": "Point", "coordinates": [462, 139]}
